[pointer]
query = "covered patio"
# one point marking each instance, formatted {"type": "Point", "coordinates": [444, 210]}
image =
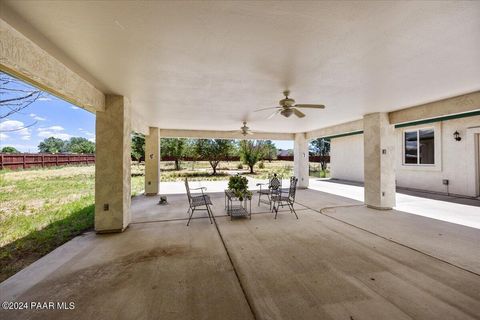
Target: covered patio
{"type": "Point", "coordinates": [324, 265]}
{"type": "Point", "coordinates": [198, 70]}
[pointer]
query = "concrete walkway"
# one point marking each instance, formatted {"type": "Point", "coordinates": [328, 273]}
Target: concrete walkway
{"type": "Point", "coordinates": [340, 260]}
{"type": "Point", "coordinates": [461, 211]}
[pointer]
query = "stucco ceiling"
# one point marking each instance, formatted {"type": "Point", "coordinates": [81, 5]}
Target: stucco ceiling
{"type": "Point", "coordinates": [208, 65]}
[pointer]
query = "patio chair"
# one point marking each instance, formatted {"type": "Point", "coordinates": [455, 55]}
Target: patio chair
{"type": "Point", "coordinates": [282, 198]}
{"type": "Point", "coordinates": [198, 201]}
{"type": "Point", "coordinates": [269, 189]}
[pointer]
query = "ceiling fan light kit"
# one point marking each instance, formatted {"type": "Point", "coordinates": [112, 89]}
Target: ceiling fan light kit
{"type": "Point", "coordinates": [286, 112]}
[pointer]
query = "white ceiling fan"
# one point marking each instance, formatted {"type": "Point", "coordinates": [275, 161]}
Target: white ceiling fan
{"type": "Point", "coordinates": [244, 130]}
{"type": "Point", "coordinates": [287, 107]}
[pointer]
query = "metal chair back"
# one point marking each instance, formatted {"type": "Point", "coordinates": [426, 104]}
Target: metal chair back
{"type": "Point", "coordinates": [293, 189]}
{"type": "Point", "coordinates": [189, 196]}
{"type": "Point", "coordinates": [275, 183]}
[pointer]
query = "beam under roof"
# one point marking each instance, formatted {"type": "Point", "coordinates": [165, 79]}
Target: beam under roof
{"type": "Point", "coordinates": [22, 58]}
{"type": "Point", "coordinates": [459, 104]}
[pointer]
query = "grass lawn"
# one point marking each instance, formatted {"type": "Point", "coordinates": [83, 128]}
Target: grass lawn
{"type": "Point", "coordinates": [40, 209]}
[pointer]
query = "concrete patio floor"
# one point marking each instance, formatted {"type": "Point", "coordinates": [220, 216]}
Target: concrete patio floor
{"type": "Point", "coordinates": [340, 260]}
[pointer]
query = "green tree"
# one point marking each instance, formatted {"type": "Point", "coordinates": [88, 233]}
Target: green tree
{"type": "Point", "coordinates": [80, 145]}
{"type": "Point", "coordinates": [251, 152]}
{"type": "Point", "coordinates": [138, 146]}
{"type": "Point", "coordinates": [9, 149]}
{"type": "Point", "coordinates": [52, 145]}
{"type": "Point", "coordinates": [269, 150]}
{"type": "Point", "coordinates": [321, 147]}
{"type": "Point", "coordinates": [214, 150]}
{"type": "Point", "coordinates": [174, 148]}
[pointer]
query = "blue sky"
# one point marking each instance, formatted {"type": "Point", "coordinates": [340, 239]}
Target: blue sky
{"type": "Point", "coordinates": [54, 117]}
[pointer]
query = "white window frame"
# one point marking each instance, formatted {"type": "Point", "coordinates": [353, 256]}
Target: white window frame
{"type": "Point", "coordinates": [417, 130]}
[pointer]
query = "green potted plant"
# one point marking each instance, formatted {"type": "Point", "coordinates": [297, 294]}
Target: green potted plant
{"type": "Point", "coordinates": [239, 185]}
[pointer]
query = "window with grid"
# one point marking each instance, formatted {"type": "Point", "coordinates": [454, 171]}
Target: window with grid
{"type": "Point", "coordinates": [419, 147]}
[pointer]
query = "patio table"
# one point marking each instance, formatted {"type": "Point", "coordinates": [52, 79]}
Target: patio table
{"type": "Point", "coordinates": [236, 207]}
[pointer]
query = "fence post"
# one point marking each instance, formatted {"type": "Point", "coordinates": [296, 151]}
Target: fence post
{"type": "Point", "coordinates": [24, 160]}
{"type": "Point", "coordinates": [1, 161]}
{"type": "Point", "coordinates": [56, 160]}
{"type": "Point", "coordinates": [43, 161]}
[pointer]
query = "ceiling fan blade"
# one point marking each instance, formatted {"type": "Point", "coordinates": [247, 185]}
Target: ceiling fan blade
{"type": "Point", "coordinates": [273, 114]}
{"type": "Point", "coordinates": [312, 106]}
{"type": "Point", "coordinates": [266, 109]}
{"type": "Point", "coordinates": [298, 113]}
{"type": "Point", "coordinates": [249, 132]}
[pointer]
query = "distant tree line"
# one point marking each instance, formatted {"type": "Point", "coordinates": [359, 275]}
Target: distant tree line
{"type": "Point", "coordinates": [9, 149]}
{"type": "Point", "coordinates": [56, 145]}
{"type": "Point", "coordinates": [73, 145]}
{"type": "Point", "coordinates": [215, 150]}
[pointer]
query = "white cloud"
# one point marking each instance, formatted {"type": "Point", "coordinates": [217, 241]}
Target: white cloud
{"type": "Point", "coordinates": [11, 125]}
{"type": "Point", "coordinates": [89, 135]}
{"type": "Point", "coordinates": [53, 131]}
{"type": "Point", "coordinates": [3, 136]}
{"type": "Point", "coordinates": [55, 134]}
{"type": "Point", "coordinates": [74, 108]}
{"type": "Point", "coordinates": [17, 127]}
{"type": "Point", "coordinates": [52, 128]}
{"type": "Point", "coordinates": [44, 99]}
{"type": "Point", "coordinates": [25, 134]}
{"type": "Point", "coordinates": [38, 118]}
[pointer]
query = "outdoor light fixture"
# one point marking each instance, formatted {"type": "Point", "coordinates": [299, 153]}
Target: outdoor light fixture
{"type": "Point", "coordinates": [456, 135]}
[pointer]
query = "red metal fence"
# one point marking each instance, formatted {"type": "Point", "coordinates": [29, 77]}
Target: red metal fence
{"type": "Point", "coordinates": [28, 160]}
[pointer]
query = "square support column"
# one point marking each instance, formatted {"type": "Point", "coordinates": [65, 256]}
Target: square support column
{"type": "Point", "coordinates": [152, 162]}
{"type": "Point", "coordinates": [379, 161]}
{"type": "Point", "coordinates": [301, 160]}
{"type": "Point", "coordinates": [112, 166]}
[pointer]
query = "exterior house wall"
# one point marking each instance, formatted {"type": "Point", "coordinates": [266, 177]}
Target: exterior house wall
{"type": "Point", "coordinates": [346, 158]}
{"type": "Point", "coordinates": [454, 160]}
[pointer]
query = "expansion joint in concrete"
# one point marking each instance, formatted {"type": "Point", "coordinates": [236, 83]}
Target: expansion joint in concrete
{"type": "Point", "coordinates": [242, 287]}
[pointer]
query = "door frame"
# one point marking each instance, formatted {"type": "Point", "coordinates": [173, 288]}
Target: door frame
{"type": "Point", "coordinates": [473, 143]}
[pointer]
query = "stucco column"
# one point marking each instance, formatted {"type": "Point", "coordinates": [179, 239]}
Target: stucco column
{"type": "Point", "coordinates": [301, 160]}
{"type": "Point", "coordinates": [112, 166]}
{"type": "Point", "coordinates": [152, 162]}
{"type": "Point", "coordinates": [379, 161]}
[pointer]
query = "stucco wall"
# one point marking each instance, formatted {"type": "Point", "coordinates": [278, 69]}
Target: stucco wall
{"type": "Point", "coordinates": [451, 159]}
{"type": "Point", "coordinates": [454, 160]}
{"type": "Point", "coordinates": [346, 158]}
